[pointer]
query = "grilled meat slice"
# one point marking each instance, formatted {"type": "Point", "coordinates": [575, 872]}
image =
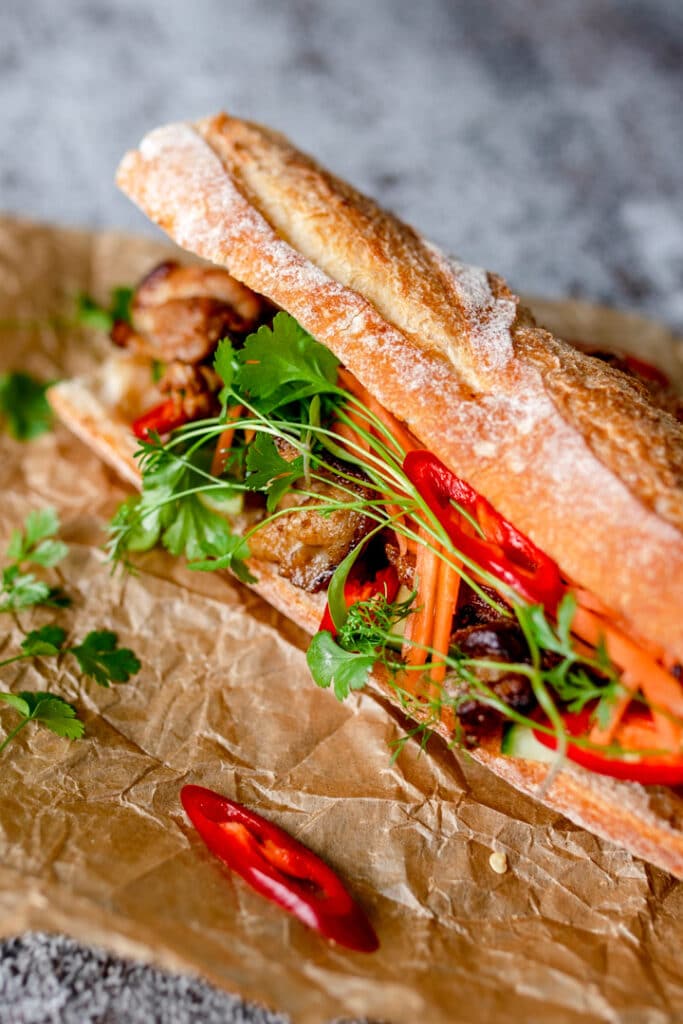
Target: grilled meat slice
{"type": "Point", "coordinates": [403, 564]}
{"type": "Point", "coordinates": [481, 632]}
{"type": "Point", "coordinates": [180, 313]}
{"type": "Point", "coordinates": [473, 610]}
{"type": "Point", "coordinates": [193, 387]}
{"type": "Point", "coordinates": [308, 545]}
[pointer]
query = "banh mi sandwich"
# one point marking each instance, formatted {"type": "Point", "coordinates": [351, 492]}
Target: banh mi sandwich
{"type": "Point", "coordinates": [467, 514]}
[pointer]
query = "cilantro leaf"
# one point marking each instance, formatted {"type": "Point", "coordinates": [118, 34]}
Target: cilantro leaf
{"type": "Point", "coordinates": [90, 313]}
{"type": "Point", "coordinates": [100, 658]}
{"type": "Point", "coordinates": [54, 713]}
{"type": "Point", "coordinates": [224, 365]}
{"type": "Point", "coordinates": [23, 406]}
{"type": "Point", "coordinates": [49, 710]}
{"type": "Point", "coordinates": [35, 544]}
{"type": "Point", "coordinates": [283, 364]}
{"type": "Point", "coordinates": [268, 471]}
{"type": "Point", "coordinates": [16, 702]}
{"type": "Point", "coordinates": [21, 590]}
{"type": "Point", "coordinates": [330, 665]}
{"type": "Point", "coordinates": [121, 303]}
{"type": "Point", "coordinates": [195, 530]}
{"type": "Point", "coordinates": [171, 512]}
{"type": "Point", "coordinates": [230, 554]}
{"type": "Point", "coordinates": [45, 641]}
{"type": "Point", "coordinates": [40, 523]}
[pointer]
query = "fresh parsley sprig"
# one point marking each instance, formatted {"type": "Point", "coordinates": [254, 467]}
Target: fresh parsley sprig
{"type": "Point", "coordinates": [369, 638]}
{"type": "Point", "coordinates": [47, 709]}
{"type": "Point", "coordinates": [33, 546]}
{"type": "Point", "coordinates": [99, 657]}
{"type": "Point", "coordinates": [288, 386]}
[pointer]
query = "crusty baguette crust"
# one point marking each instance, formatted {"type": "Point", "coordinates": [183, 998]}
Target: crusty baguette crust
{"type": "Point", "coordinates": [592, 474]}
{"type": "Point", "coordinates": [649, 822]}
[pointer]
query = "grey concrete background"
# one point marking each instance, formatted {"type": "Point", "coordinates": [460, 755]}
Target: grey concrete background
{"type": "Point", "coordinates": [541, 138]}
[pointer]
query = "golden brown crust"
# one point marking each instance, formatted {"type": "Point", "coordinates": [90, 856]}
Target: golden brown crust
{"type": "Point", "coordinates": [444, 347]}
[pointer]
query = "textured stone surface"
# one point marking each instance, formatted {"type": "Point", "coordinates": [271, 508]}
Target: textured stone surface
{"type": "Point", "coordinates": [542, 139]}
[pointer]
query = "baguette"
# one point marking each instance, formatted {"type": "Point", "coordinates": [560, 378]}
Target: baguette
{"type": "Point", "coordinates": [565, 447]}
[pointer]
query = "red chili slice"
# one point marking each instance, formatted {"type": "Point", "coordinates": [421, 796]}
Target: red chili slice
{"type": "Point", "coordinates": [503, 551]}
{"type": "Point", "coordinates": [647, 371]}
{"type": "Point", "coordinates": [637, 731]}
{"type": "Point", "coordinates": [161, 419]}
{"type": "Point", "coordinates": [356, 589]}
{"type": "Point", "coordinates": [279, 867]}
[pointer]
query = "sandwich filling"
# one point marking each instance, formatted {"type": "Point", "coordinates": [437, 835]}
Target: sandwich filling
{"type": "Point", "coordinates": [263, 447]}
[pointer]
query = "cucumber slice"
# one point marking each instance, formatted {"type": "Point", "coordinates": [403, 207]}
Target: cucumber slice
{"type": "Point", "coordinates": [225, 501]}
{"type": "Point", "coordinates": [519, 741]}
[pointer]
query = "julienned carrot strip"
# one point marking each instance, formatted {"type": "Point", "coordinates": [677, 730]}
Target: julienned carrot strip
{"type": "Point", "coordinates": [345, 432]}
{"type": "Point", "coordinates": [640, 670]}
{"type": "Point", "coordinates": [447, 597]}
{"type": "Point", "coordinates": [606, 735]}
{"type": "Point", "coordinates": [405, 442]}
{"type": "Point", "coordinates": [225, 442]}
{"type": "Point", "coordinates": [399, 432]}
{"type": "Point", "coordinates": [420, 625]}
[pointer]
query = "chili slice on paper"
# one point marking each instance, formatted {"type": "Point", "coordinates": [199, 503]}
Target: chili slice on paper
{"type": "Point", "coordinates": [279, 867]}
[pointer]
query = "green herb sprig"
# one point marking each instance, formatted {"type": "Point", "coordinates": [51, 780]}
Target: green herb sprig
{"type": "Point", "coordinates": [286, 382]}
{"type": "Point", "coordinates": [98, 656]}
{"type": "Point", "coordinates": [34, 546]}
{"type": "Point", "coordinates": [90, 313]}
{"type": "Point", "coordinates": [24, 407]}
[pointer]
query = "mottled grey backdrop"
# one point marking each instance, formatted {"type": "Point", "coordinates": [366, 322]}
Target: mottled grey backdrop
{"type": "Point", "coordinates": [542, 138]}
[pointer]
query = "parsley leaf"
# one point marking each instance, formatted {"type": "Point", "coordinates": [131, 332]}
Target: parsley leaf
{"type": "Point", "coordinates": [89, 312]}
{"type": "Point", "coordinates": [168, 511]}
{"type": "Point", "coordinates": [231, 554]}
{"type": "Point", "coordinates": [54, 712]}
{"type": "Point", "coordinates": [100, 657]}
{"type": "Point", "coordinates": [330, 664]}
{"type": "Point", "coordinates": [224, 365]}
{"type": "Point", "coordinates": [280, 365]}
{"type": "Point", "coordinates": [21, 590]}
{"type": "Point", "coordinates": [49, 710]}
{"type": "Point", "coordinates": [268, 471]}
{"type": "Point", "coordinates": [48, 640]}
{"type": "Point", "coordinates": [23, 406]}
{"type": "Point", "coordinates": [34, 545]}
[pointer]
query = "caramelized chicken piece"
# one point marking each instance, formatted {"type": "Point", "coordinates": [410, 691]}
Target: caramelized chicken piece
{"type": "Point", "coordinates": [403, 564]}
{"type": "Point", "coordinates": [309, 545]}
{"type": "Point", "coordinates": [180, 313]}
{"type": "Point", "coordinates": [194, 387]}
{"type": "Point", "coordinates": [499, 640]}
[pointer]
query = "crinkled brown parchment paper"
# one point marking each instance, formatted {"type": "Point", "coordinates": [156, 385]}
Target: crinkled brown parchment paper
{"type": "Point", "coordinates": [93, 841]}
